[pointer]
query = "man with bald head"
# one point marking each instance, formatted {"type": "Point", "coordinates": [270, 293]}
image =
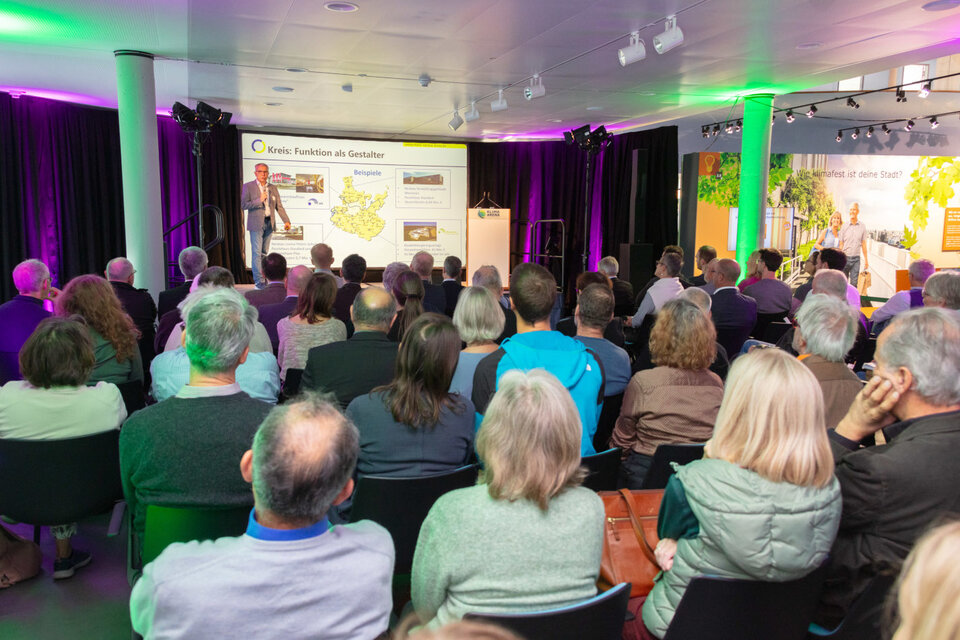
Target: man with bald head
{"type": "Point", "coordinates": [335, 581]}
{"type": "Point", "coordinates": [321, 255]}
{"type": "Point", "coordinates": [434, 299]}
{"type": "Point", "coordinates": [138, 303]}
{"type": "Point", "coordinates": [351, 368]}
{"type": "Point", "coordinates": [734, 314]}
{"type": "Point", "coordinates": [271, 314]}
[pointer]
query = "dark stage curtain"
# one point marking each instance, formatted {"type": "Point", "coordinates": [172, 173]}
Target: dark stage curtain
{"type": "Point", "coordinates": [546, 180]}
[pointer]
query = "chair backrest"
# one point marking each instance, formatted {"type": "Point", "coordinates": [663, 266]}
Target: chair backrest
{"type": "Point", "coordinates": [602, 470]}
{"type": "Point", "coordinates": [763, 321]}
{"type": "Point", "coordinates": [47, 482]}
{"type": "Point", "coordinates": [599, 618]}
{"type": "Point", "coordinates": [166, 525]}
{"type": "Point", "coordinates": [865, 620]}
{"type": "Point", "coordinates": [728, 609]}
{"type": "Point", "coordinates": [775, 331]}
{"type": "Point", "coordinates": [291, 385]}
{"type": "Point", "coordinates": [132, 394]}
{"type": "Point", "coordinates": [661, 469]}
{"type": "Point", "coordinates": [607, 421]}
{"type": "Point", "coordinates": [401, 504]}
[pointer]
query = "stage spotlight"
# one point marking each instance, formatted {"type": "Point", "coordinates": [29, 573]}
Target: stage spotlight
{"type": "Point", "coordinates": [870, 132]}
{"type": "Point", "coordinates": [211, 116]}
{"type": "Point", "coordinates": [716, 130]}
{"type": "Point", "coordinates": [670, 38]}
{"type": "Point", "coordinates": [739, 127]}
{"type": "Point", "coordinates": [535, 90]}
{"type": "Point", "coordinates": [456, 120]}
{"type": "Point", "coordinates": [581, 134]}
{"type": "Point", "coordinates": [705, 131]}
{"type": "Point", "coordinates": [499, 104]}
{"type": "Point", "coordinates": [790, 116]}
{"type": "Point", "coordinates": [812, 111]}
{"type": "Point", "coordinates": [856, 133]}
{"type": "Point", "coordinates": [901, 95]}
{"type": "Point", "coordinates": [728, 128]}
{"type": "Point", "coordinates": [885, 129]}
{"type": "Point", "coordinates": [185, 117]}
{"type": "Point", "coordinates": [853, 103]}
{"type": "Point", "coordinates": [934, 123]}
{"type": "Point", "coordinates": [909, 125]}
{"type": "Point", "coordinates": [473, 114]}
{"type": "Point", "coordinates": [924, 90]}
{"type": "Point", "coordinates": [839, 135]}
{"type": "Point", "coordinates": [635, 52]}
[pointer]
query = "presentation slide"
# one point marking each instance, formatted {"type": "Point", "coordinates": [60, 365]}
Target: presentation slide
{"type": "Point", "coordinates": [383, 200]}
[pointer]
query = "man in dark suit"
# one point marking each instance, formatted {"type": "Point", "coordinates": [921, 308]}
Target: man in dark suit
{"type": "Point", "coordinates": [193, 260]}
{"type": "Point", "coordinates": [22, 313]}
{"type": "Point", "coordinates": [434, 298]}
{"type": "Point", "coordinates": [705, 254]}
{"type": "Point", "coordinates": [352, 269]}
{"type": "Point", "coordinates": [734, 314]}
{"type": "Point", "coordinates": [275, 271]}
{"type": "Point", "coordinates": [622, 290]}
{"type": "Point", "coordinates": [261, 200]}
{"type": "Point", "coordinates": [488, 277]}
{"type": "Point", "coordinates": [271, 314]}
{"type": "Point", "coordinates": [353, 367]}
{"type": "Point", "coordinates": [138, 303]}
{"type": "Point", "coordinates": [452, 266]}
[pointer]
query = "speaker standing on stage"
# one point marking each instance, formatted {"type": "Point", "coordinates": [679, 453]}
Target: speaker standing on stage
{"type": "Point", "coordinates": [261, 200]}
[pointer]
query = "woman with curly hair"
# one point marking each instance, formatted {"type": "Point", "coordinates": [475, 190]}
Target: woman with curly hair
{"type": "Point", "coordinates": [113, 332]}
{"type": "Point", "coordinates": [675, 402]}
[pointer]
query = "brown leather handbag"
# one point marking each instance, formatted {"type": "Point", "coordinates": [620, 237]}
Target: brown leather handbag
{"type": "Point", "coordinates": [630, 535]}
{"type": "Point", "coordinates": [19, 558]}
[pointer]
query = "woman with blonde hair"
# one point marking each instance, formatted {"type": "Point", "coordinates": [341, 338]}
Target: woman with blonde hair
{"type": "Point", "coordinates": [310, 325]}
{"type": "Point", "coordinates": [763, 504]}
{"type": "Point", "coordinates": [113, 332]}
{"type": "Point", "coordinates": [479, 321]}
{"type": "Point", "coordinates": [928, 598]}
{"type": "Point", "coordinates": [527, 537]}
{"type": "Point", "coordinates": [675, 402]}
{"type": "Point", "coordinates": [830, 238]}
{"type": "Point", "coordinates": [752, 270]}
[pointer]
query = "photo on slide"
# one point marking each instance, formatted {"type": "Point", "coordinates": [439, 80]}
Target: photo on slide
{"type": "Point", "coordinates": [309, 183]}
{"type": "Point", "coordinates": [419, 231]}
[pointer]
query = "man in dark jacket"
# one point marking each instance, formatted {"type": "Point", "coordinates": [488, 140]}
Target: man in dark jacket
{"type": "Point", "coordinates": [434, 298]}
{"type": "Point", "coordinates": [21, 315]}
{"type": "Point", "coordinates": [138, 303]}
{"type": "Point", "coordinates": [893, 493]}
{"type": "Point", "coordinates": [192, 261]}
{"type": "Point", "coordinates": [622, 290]}
{"type": "Point", "coordinates": [734, 314]}
{"type": "Point", "coordinates": [352, 270]}
{"type": "Point", "coordinates": [452, 266]}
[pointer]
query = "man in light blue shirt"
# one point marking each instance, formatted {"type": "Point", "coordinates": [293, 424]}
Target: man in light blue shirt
{"type": "Point", "coordinates": [258, 376]}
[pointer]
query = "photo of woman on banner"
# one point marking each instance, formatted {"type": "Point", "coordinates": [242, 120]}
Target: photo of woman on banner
{"type": "Point", "coordinates": [830, 237]}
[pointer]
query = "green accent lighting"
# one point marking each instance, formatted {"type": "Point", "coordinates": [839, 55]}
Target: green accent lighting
{"type": "Point", "coordinates": [754, 168]}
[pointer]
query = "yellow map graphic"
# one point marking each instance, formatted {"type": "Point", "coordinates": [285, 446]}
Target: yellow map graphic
{"type": "Point", "coordinates": [356, 215]}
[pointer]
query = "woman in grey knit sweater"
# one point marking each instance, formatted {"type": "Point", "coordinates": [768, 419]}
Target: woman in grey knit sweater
{"type": "Point", "coordinates": [526, 538]}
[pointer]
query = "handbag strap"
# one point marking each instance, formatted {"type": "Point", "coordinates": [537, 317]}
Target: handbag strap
{"type": "Point", "coordinates": [637, 528]}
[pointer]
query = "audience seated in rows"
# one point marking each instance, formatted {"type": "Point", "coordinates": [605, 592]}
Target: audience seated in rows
{"type": "Point", "coordinates": [274, 269]}
{"type": "Point", "coordinates": [830, 259]}
{"type": "Point", "coordinates": [753, 271]}
{"type": "Point", "coordinates": [183, 451]}
{"type": "Point", "coordinates": [452, 266]}
{"type": "Point", "coordinates": [667, 287]}
{"type": "Point", "coordinates": [677, 402]}
{"type": "Point", "coordinates": [892, 493]}
{"type": "Point", "coordinates": [613, 330]}
{"type": "Point", "coordinates": [21, 314]}
{"type": "Point", "coordinates": [670, 249]}
{"type": "Point", "coordinates": [488, 276]}
{"type": "Point", "coordinates": [271, 314]}
{"type": "Point", "coordinates": [734, 314]}
{"type": "Point", "coordinates": [321, 255]}
{"type": "Point", "coordinates": [192, 262]}
{"type": "Point", "coordinates": [479, 320]}
{"type": "Point", "coordinates": [622, 290]}
{"type": "Point", "coordinates": [292, 573]}
{"type": "Point", "coordinates": [772, 295]}
{"type": "Point", "coordinates": [53, 403]}
{"type": "Point", "coordinates": [113, 333]}
{"type": "Point", "coordinates": [529, 445]}
{"type": "Point", "coordinates": [413, 425]}
{"type": "Point", "coordinates": [434, 297]}
{"type": "Point", "coordinates": [533, 292]}
{"type": "Point", "coordinates": [705, 255]}
{"type": "Point", "coordinates": [353, 367]}
{"type": "Point", "coordinates": [352, 269]}
{"type": "Point", "coordinates": [408, 292]}
{"type": "Point", "coordinates": [929, 588]}
{"type": "Point", "coordinates": [943, 290]}
{"type": "Point", "coordinates": [593, 314]}
{"type": "Point", "coordinates": [826, 329]}
{"type": "Point", "coordinates": [917, 273]}
{"type": "Point", "coordinates": [310, 325]}
{"type": "Point", "coordinates": [763, 504]}
{"type": "Point", "coordinates": [137, 303]}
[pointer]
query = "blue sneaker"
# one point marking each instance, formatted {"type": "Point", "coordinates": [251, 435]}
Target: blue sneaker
{"type": "Point", "coordinates": [66, 567]}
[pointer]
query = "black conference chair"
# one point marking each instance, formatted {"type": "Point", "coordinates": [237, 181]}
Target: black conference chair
{"type": "Point", "coordinates": [51, 482]}
{"type": "Point", "coordinates": [775, 331]}
{"type": "Point", "coordinates": [661, 468]}
{"type": "Point", "coordinates": [291, 384]}
{"type": "Point", "coordinates": [599, 618]}
{"type": "Point", "coordinates": [728, 609]}
{"type": "Point", "coordinates": [607, 421]}
{"type": "Point", "coordinates": [764, 320]}
{"type": "Point", "coordinates": [133, 396]}
{"type": "Point", "coordinates": [865, 619]}
{"type": "Point", "coordinates": [602, 470]}
{"type": "Point", "coordinates": [401, 504]}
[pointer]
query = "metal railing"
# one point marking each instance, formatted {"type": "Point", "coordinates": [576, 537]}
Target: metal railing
{"type": "Point", "coordinates": [172, 266]}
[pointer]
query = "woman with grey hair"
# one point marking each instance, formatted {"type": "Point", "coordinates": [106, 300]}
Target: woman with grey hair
{"type": "Point", "coordinates": [479, 321]}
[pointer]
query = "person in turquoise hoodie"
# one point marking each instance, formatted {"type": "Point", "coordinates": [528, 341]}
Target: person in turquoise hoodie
{"type": "Point", "coordinates": [533, 292]}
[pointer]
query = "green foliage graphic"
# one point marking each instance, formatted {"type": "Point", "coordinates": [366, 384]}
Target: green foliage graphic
{"type": "Point", "coordinates": [723, 190]}
{"type": "Point", "coordinates": [808, 193]}
{"type": "Point", "coordinates": [932, 180]}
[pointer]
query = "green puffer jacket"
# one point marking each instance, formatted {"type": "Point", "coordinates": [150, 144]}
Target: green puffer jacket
{"type": "Point", "coordinates": [750, 528]}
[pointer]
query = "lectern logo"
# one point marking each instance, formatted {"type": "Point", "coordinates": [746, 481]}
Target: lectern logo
{"type": "Point", "coordinates": [258, 146]}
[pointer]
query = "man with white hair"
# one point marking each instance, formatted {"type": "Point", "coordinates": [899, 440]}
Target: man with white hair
{"type": "Point", "coordinates": [826, 329]}
{"type": "Point", "coordinates": [893, 493]}
{"type": "Point", "coordinates": [138, 303]}
{"type": "Point", "coordinates": [183, 451]}
{"type": "Point", "coordinates": [943, 290]}
{"type": "Point", "coordinates": [291, 573]}
{"type": "Point", "coordinates": [434, 299]}
{"type": "Point", "coordinates": [917, 273]}
{"type": "Point", "coordinates": [622, 290]}
{"type": "Point", "coordinates": [488, 277]}
{"type": "Point", "coordinates": [192, 261]}
{"type": "Point", "coordinates": [20, 315]}
{"type": "Point", "coordinates": [667, 287]}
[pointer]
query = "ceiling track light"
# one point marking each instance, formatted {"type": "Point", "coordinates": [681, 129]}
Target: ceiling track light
{"type": "Point", "coordinates": [812, 111]}
{"type": "Point", "coordinates": [853, 103]}
{"type": "Point", "coordinates": [424, 80]}
{"type": "Point", "coordinates": [455, 121]}
{"type": "Point", "coordinates": [870, 132]}
{"type": "Point", "coordinates": [901, 95]}
{"type": "Point", "coordinates": [856, 133]}
{"type": "Point", "coordinates": [499, 104]}
{"type": "Point", "coordinates": [705, 131]}
{"type": "Point", "coordinates": [536, 89]}
{"type": "Point", "coordinates": [739, 126]}
{"type": "Point", "coordinates": [790, 116]}
{"type": "Point", "coordinates": [671, 38]}
{"type": "Point", "coordinates": [728, 128]}
{"type": "Point", "coordinates": [839, 135]}
{"type": "Point", "coordinates": [473, 114]}
{"type": "Point", "coordinates": [634, 52]}
{"type": "Point", "coordinates": [934, 123]}
{"type": "Point", "coordinates": [716, 130]}
{"type": "Point", "coordinates": [909, 125]}
{"type": "Point", "coordinates": [885, 129]}
{"type": "Point", "coordinates": [925, 90]}
{"type": "Point", "coordinates": [773, 119]}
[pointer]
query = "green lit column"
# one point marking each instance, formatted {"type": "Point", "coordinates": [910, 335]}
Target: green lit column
{"type": "Point", "coordinates": [140, 164]}
{"type": "Point", "coordinates": [754, 170]}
